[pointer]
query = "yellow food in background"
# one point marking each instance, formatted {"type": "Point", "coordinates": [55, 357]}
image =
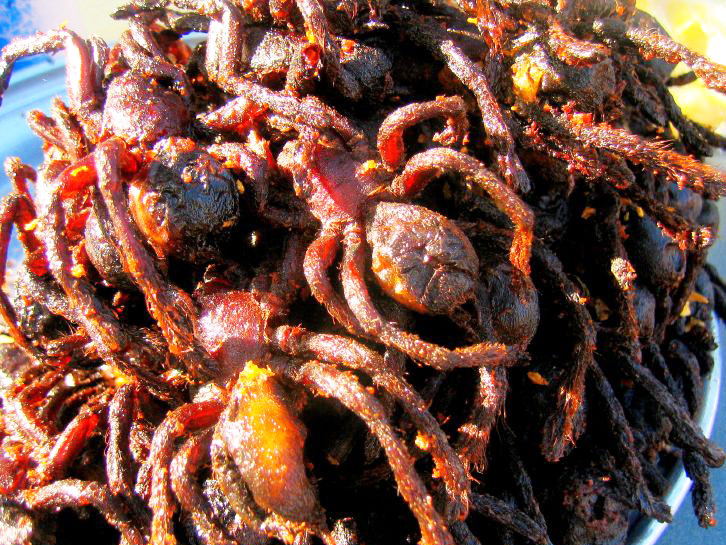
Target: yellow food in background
{"type": "Point", "coordinates": [701, 26]}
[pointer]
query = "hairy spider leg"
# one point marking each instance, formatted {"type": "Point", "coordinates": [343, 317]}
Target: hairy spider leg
{"type": "Point", "coordinates": [345, 388]}
{"type": "Point", "coordinates": [76, 493]}
{"type": "Point", "coordinates": [334, 349]}
{"type": "Point", "coordinates": [81, 73]}
{"type": "Point", "coordinates": [423, 167]}
{"type": "Point", "coordinates": [185, 419]}
{"type": "Point", "coordinates": [390, 133]}
{"type": "Point", "coordinates": [102, 326]}
{"type": "Point", "coordinates": [183, 470]}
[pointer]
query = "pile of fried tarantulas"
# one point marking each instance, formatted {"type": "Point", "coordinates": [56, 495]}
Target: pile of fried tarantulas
{"type": "Point", "coordinates": [347, 273]}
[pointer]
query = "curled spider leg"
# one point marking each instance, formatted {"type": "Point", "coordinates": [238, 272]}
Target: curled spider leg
{"type": "Point", "coordinates": [148, 63]}
{"type": "Point", "coordinates": [390, 133]}
{"type": "Point", "coordinates": [77, 493]}
{"type": "Point", "coordinates": [319, 256]}
{"type": "Point", "coordinates": [183, 471]}
{"type": "Point", "coordinates": [80, 74]}
{"type": "Point", "coordinates": [442, 46]}
{"type": "Point", "coordinates": [425, 166]}
{"type": "Point", "coordinates": [343, 351]}
{"type": "Point", "coordinates": [15, 209]}
{"type": "Point", "coordinates": [69, 444]}
{"type": "Point", "coordinates": [19, 173]}
{"type": "Point", "coordinates": [20, 416]}
{"type": "Point", "coordinates": [194, 416]}
{"type": "Point", "coordinates": [349, 392]}
{"type": "Point", "coordinates": [170, 306]}
{"type": "Point", "coordinates": [356, 293]}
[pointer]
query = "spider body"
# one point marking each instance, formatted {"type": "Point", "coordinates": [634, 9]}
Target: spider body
{"type": "Point", "coordinates": [142, 112]}
{"type": "Point", "coordinates": [420, 258]}
{"type": "Point", "coordinates": [183, 201]}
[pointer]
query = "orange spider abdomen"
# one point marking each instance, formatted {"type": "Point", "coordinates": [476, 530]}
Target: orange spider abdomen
{"type": "Point", "coordinates": [266, 441]}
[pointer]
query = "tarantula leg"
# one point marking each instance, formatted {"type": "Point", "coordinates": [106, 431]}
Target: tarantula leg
{"type": "Point", "coordinates": [195, 416]}
{"type": "Point", "coordinates": [170, 306]}
{"type": "Point", "coordinates": [101, 325]}
{"type": "Point", "coordinates": [80, 74]}
{"type": "Point", "coordinates": [437, 41]}
{"type": "Point", "coordinates": [224, 45]}
{"type": "Point", "coordinates": [689, 133]}
{"type": "Point", "coordinates": [488, 405]}
{"type": "Point", "coordinates": [301, 114]}
{"type": "Point", "coordinates": [319, 256]}
{"type": "Point", "coordinates": [623, 436]}
{"type": "Point", "coordinates": [150, 64]}
{"type": "Point", "coordinates": [119, 471]}
{"type": "Point", "coordinates": [356, 293]}
{"type": "Point", "coordinates": [425, 166]}
{"type": "Point", "coordinates": [183, 471]}
{"type": "Point", "coordinates": [19, 173]}
{"type": "Point", "coordinates": [63, 397]}
{"type": "Point", "coordinates": [345, 388]}
{"type": "Point", "coordinates": [317, 24]}
{"type": "Point", "coordinates": [71, 133]}
{"type": "Point", "coordinates": [69, 444]}
{"type": "Point", "coordinates": [651, 154]}
{"type": "Point", "coordinates": [510, 517]}
{"type": "Point", "coordinates": [238, 156]}
{"type": "Point", "coordinates": [390, 133]}
{"type": "Point", "coordinates": [570, 49]}
{"type": "Point", "coordinates": [15, 209]}
{"type": "Point", "coordinates": [46, 129]}
{"type": "Point", "coordinates": [347, 352]}
{"type": "Point", "coordinates": [654, 43]}
{"type": "Point", "coordinates": [702, 494]}
{"type": "Point", "coordinates": [562, 428]}
{"type": "Point", "coordinates": [76, 493]}
{"type": "Point", "coordinates": [21, 401]}
{"type": "Point", "coordinates": [523, 482]}
{"type": "Point", "coordinates": [685, 432]}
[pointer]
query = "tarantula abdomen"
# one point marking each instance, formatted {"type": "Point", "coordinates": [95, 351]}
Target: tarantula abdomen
{"type": "Point", "coordinates": [420, 258]}
{"type": "Point", "coordinates": [514, 305]}
{"type": "Point", "coordinates": [140, 111]}
{"type": "Point", "coordinates": [184, 202]}
{"type": "Point", "coordinates": [265, 439]}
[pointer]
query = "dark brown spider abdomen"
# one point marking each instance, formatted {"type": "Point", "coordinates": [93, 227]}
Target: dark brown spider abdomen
{"type": "Point", "coordinates": [140, 111]}
{"type": "Point", "coordinates": [184, 202]}
{"type": "Point", "coordinates": [420, 258]}
{"type": "Point", "coordinates": [514, 305]}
